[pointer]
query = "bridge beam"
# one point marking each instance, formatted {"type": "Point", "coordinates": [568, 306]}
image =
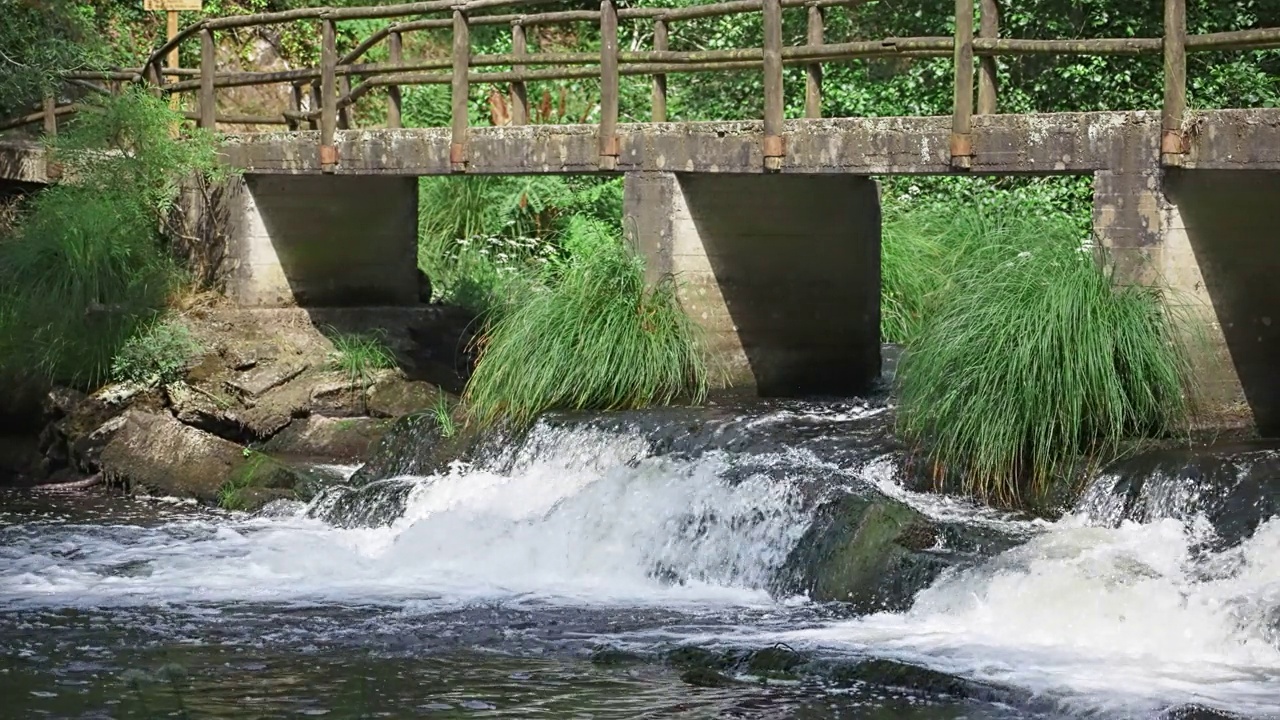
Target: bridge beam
{"type": "Point", "coordinates": [781, 271]}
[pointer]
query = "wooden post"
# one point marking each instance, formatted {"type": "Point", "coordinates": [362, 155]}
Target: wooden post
{"type": "Point", "coordinates": [313, 88]}
{"type": "Point", "coordinates": [1172, 144]}
{"type": "Point", "coordinates": [297, 105]}
{"type": "Point", "coordinates": [660, 80]}
{"type": "Point", "coordinates": [461, 66]}
{"type": "Point", "coordinates": [171, 31]}
{"type": "Point", "coordinates": [344, 114]}
{"type": "Point", "coordinates": [813, 87]}
{"type": "Point", "coordinates": [328, 95]}
{"type": "Point", "coordinates": [395, 49]}
{"type": "Point", "coordinates": [962, 111]}
{"type": "Point", "coordinates": [988, 84]}
{"type": "Point", "coordinates": [50, 107]}
{"type": "Point", "coordinates": [774, 145]}
{"type": "Point", "coordinates": [519, 93]}
{"type": "Point", "coordinates": [608, 85]}
{"type": "Point", "coordinates": [208, 66]}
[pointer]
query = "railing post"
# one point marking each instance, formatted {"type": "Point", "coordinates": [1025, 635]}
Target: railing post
{"type": "Point", "coordinates": [519, 93]}
{"type": "Point", "coordinates": [395, 49]}
{"type": "Point", "coordinates": [50, 107]}
{"type": "Point", "coordinates": [313, 88]}
{"type": "Point", "coordinates": [962, 111]}
{"type": "Point", "coordinates": [988, 84]}
{"type": "Point", "coordinates": [344, 112]}
{"type": "Point", "coordinates": [660, 80]}
{"type": "Point", "coordinates": [296, 87]}
{"type": "Point", "coordinates": [1172, 143]}
{"type": "Point", "coordinates": [608, 85]}
{"type": "Point", "coordinates": [774, 144]}
{"type": "Point", "coordinates": [208, 66]}
{"type": "Point", "coordinates": [328, 95]}
{"type": "Point", "coordinates": [461, 91]}
{"type": "Point", "coordinates": [813, 86]}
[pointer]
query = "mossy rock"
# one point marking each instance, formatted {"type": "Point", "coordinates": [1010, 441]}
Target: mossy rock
{"type": "Point", "coordinates": [706, 677]}
{"type": "Point", "coordinates": [416, 445]}
{"type": "Point", "coordinates": [615, 657]}
{"type": "Point", "coordinates": [775, 662]}
{"type": "Point", "coordinates": [867, 550]}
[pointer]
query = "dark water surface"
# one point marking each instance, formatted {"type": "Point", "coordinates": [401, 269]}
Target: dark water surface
{"type": "Point", "coordinates": [560, 586]}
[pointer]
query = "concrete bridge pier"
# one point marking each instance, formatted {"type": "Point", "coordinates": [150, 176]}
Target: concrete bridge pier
{"type": "Point", "coordinates": [322, 240]}
{"type": "Point", "coordinates": [781, 271]}
{"type": "Point", "coordinates": [1208, 236]}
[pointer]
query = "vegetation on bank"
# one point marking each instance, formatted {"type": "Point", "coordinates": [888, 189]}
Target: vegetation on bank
{"type": "Point", "coordinates": [1023, 351]}
{"type": "Point", "coordinates": [86, 264]}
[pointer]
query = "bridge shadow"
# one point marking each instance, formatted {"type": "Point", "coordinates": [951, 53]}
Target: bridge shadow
{"type": "Point", "coordinates": [796, 261]}
{"type": "Point", "coordinates": [1230, 228]}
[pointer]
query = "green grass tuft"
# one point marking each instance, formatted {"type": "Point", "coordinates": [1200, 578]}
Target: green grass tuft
{"type": "Point", "coordinates": [359, 355]}
{"type": "Point", "coordinates": [1031, 355]}
{"type": "Point", "coordinates": [589, 335]}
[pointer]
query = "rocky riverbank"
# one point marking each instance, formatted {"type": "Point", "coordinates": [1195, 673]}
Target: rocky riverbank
{"type": "Point", "coordinates": [261, 400]}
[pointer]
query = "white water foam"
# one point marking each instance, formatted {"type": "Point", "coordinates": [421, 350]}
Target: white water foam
{"type": "Point", "coordinates": [1122, 619]}
{"type": "Point", "coordinates": [1119, 620]}
{"type": "Point", "coordinates": [584, 517]}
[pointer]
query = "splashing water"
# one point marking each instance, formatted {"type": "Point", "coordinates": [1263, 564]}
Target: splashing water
{"type": "Point", "coordinates": [1091, 615]}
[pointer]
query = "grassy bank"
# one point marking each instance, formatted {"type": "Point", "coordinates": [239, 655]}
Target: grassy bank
{"type": "Point", "coordinates": [85, 264]}
{"type": "Point", "coordinates": [1024, 353]}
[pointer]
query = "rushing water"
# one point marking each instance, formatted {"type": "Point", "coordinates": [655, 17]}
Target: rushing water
{"type": "Point", "coordinates": [488, 596]}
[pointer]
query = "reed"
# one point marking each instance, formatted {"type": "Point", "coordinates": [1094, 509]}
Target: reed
{"type": "Point", "coordinates": [588, 335]}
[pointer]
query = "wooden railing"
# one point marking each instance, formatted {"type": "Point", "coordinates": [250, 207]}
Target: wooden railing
{"type": "Point", "coordinates": [338, 82]}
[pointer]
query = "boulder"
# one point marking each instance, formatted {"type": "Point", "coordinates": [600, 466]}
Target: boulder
{"type": "Point", "coordinates": [416, 445]}
{"type": "Point", "coordinates": [394, 396]}
{"type": "Point", "coordinates": [330, 439]}
{"type": "Point", "coordinates": [865, 549]}
{"type": "Point", "coordinates": [156, 454]}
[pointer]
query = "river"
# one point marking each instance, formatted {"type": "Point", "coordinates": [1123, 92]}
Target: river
{"type": "Point", "coordinates": [558, 583]}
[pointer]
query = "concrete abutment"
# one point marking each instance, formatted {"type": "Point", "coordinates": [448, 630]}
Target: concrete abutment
{"type": "Point", "coordinates": [781, 271]}
{"type": "Point", "coordinates": [322, 240]}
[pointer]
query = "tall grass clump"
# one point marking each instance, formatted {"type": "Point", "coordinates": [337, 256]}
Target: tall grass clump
{"type": "Point", "coordinates": [1035, 356]}
{"type": "Point", "coordinates": [86, 265]}
{"type": "Point", "coordinates": [589, 334]}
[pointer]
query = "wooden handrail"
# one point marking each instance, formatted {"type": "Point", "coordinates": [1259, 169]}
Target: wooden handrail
{"type": "Point", "coordinates": [335, 91]}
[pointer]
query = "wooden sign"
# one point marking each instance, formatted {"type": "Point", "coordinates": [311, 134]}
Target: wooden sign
{"type": "Point", "coordinates": [172, 5]}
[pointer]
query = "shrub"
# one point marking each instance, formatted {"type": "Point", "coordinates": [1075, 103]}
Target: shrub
{"type": "Point", "coordinates": [589, 335]}
{"type": "Point", "coordinates": [86, 266]}
{"type": "Point", "coordinates": [1034, 356]}
{"type": "Point", "coordinates": [157, 355]}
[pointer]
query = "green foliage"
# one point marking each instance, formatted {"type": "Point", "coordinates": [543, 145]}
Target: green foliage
{"type": "Point", "coordinates": [935, 228]}
{"type": "Point", "coordinates": [86, 265]}
{"type": "Point", "coordinates": [483, 237]}
{"type": "Point", "coordinates": [159, 353]}
{"type": "Point", "coordinates": [589, 335]}
{"type": "Point", "coordinates": [359, 355]}
{"type": "Point", "coordinates": [1032, 355]}
{"type": "Point", "coordinates": [38, 41]}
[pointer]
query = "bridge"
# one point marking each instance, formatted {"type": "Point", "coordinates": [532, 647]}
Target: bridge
{"type": "Point", "coordinates": [774, 223]}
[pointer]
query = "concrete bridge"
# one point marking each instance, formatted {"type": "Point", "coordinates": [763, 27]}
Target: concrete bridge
{"type": "Point", "coordinates": [773, 225]}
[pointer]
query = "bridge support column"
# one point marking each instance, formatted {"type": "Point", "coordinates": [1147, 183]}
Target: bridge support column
{"type": "Point", "coordinates": [1204, 235]}
{"type": "Point", "coordinates": [323, 240]}
{"type": "Point", "coordinates": [781, 271]}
